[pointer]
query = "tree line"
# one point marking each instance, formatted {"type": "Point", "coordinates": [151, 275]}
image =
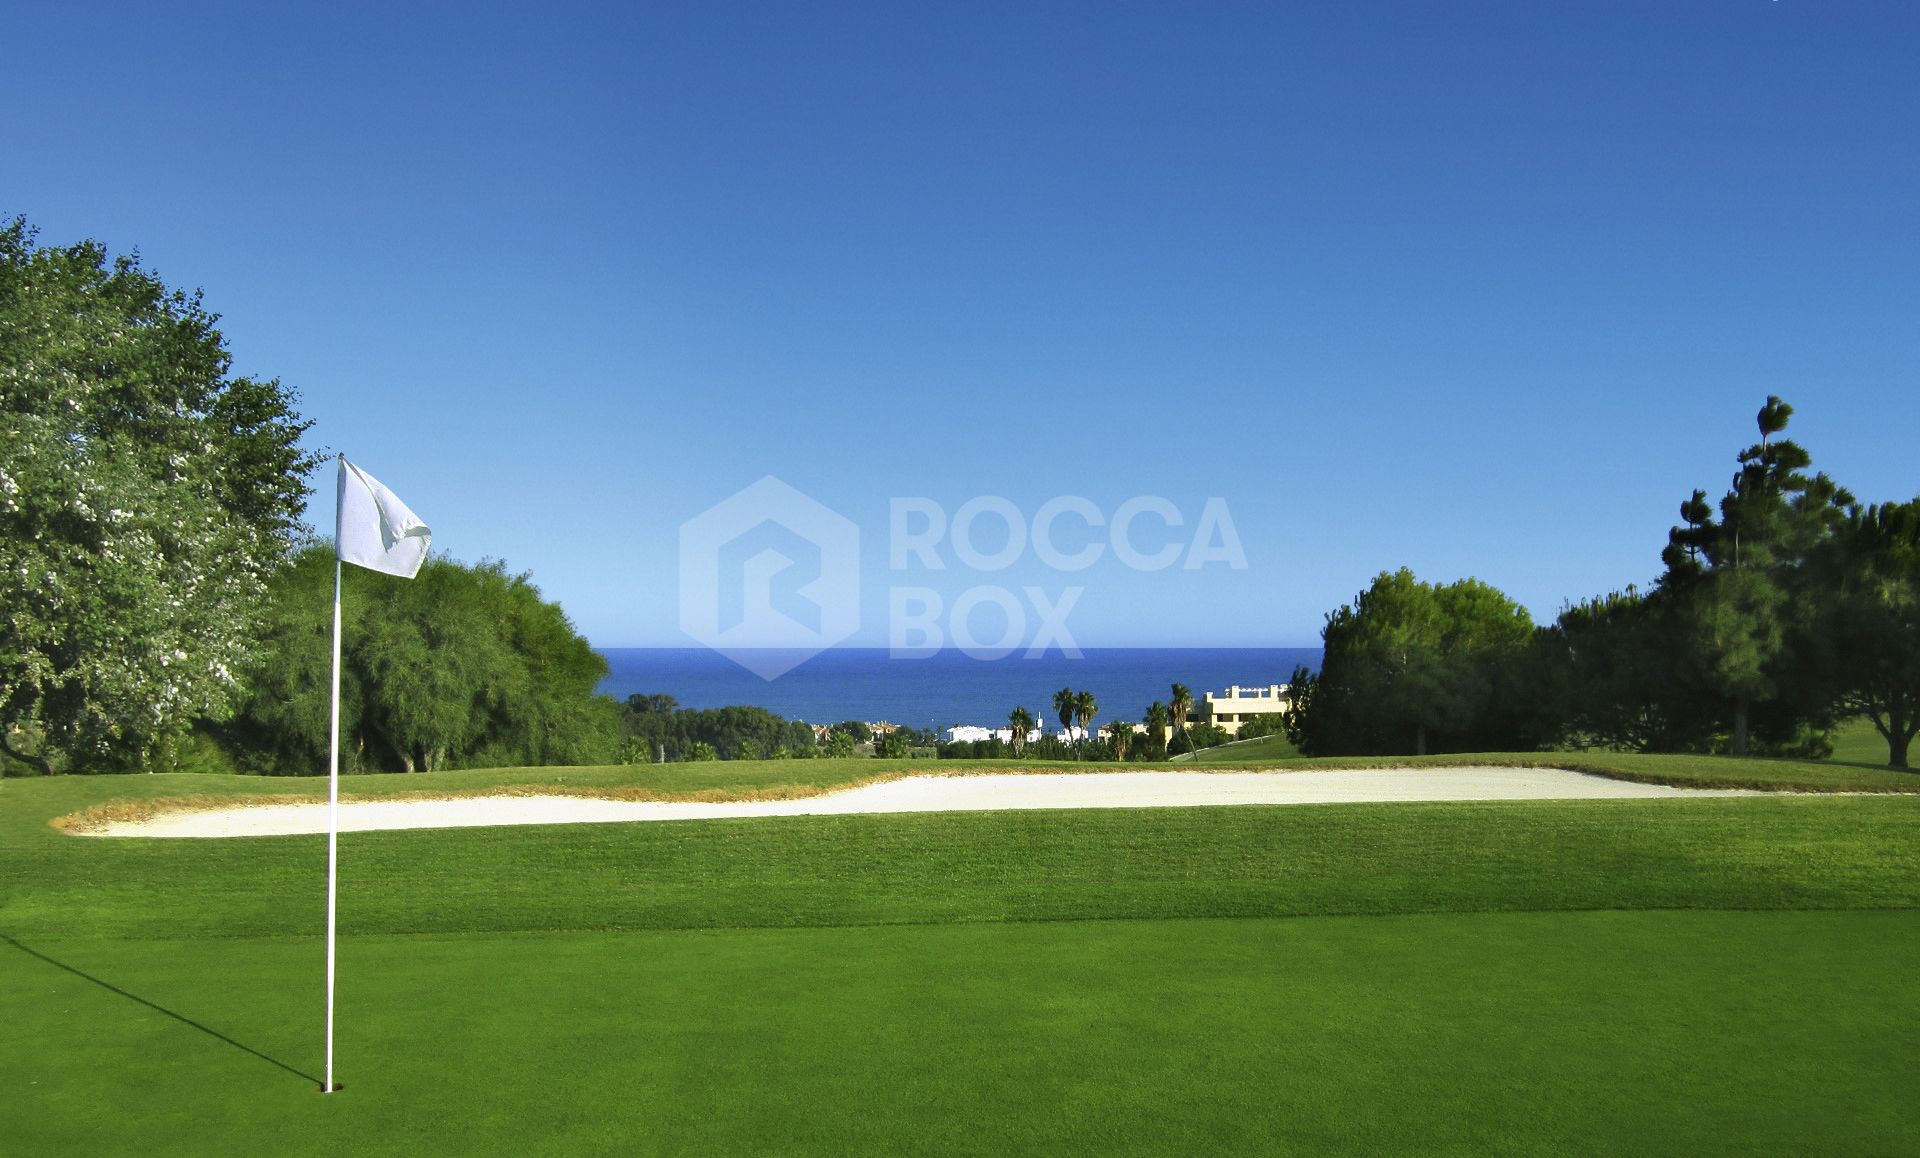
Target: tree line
{"type": "Point", "coordinates": [1169, 728]}
{"type": "Point", "coordinates": [462, 666]}
{"type": "Point", "coordinates": [1780, 610]}
{"type": "Point", "coordinates": [167, 607]}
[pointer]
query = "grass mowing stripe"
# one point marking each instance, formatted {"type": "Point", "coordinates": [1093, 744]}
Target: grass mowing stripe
{"type": "Point", "coordinates": [1730, 853]}
{"type": "Point", "coordinates": [1468, 1034]}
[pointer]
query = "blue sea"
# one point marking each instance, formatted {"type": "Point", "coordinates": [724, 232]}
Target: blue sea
{"type": "Point", "coordinates": [947, 688]}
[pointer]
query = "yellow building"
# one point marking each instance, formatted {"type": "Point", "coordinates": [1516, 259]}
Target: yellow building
{"type": "Point", "coordinates": [1233, 708]}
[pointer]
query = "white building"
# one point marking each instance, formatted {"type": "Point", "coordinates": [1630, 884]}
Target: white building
{"type": "Point", "coordinates": [969, 733]}
{"type": "Point", "coordinates": [1237, 705]}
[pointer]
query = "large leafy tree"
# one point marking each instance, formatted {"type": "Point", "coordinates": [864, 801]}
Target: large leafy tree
{"type": "Point", "coordinates": [146, 498]}
{"type": "Point", "coordinates": [1410, 663]}
{"type": "Point", "coordinates": [1870, 571]}
{"type": "Point", "coordinates": [461, 666]}
{"type": "Point", "coordinates": [1612, 676]}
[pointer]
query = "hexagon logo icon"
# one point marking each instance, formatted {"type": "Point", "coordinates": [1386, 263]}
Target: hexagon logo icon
{"type": "Point", "coordinates": [769, 578]}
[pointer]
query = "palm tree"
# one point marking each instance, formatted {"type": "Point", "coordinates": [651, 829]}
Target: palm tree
{"type": "Point", "coordinates": [1120, 732]}
{"type": "Point", "coordinates": [1063, 704]}
{"type": "Point", "coordinates": [1021, 722]}
{"type": "Point", "coordinates": [1157, 717]}
{"type": "Point", "coordinates": [1180, 708]}
{"type": "Point", "coordinates": [1085, 708]}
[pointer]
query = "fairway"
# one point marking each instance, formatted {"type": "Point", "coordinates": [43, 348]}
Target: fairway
{"type": "Point", "coordinates": [1690, 976]}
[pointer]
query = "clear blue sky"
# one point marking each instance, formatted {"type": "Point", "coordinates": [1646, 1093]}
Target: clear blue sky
{"type": "Point", "coordinates": [1477, 288]}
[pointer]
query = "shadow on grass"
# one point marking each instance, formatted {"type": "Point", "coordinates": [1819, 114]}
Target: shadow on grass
{"type": "Point", "coordinates": [181, 1018]}
{"type": "Point", "coordinates": [1869, 765]}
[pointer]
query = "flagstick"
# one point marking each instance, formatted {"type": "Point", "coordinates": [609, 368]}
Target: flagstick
{"type": "Point", "coordinates": [333, 792]}
{"type": "Point", "coordinates": [388, 538]}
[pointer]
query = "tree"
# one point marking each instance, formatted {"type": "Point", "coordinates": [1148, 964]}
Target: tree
{"type": "Point", "coordinates": [1120, 735]}
{"type": "Point", "coordinates": [1200, 736]}
{"type": "Point", "coordinates": [892, 746]}
{"type": "Point", "coordinates": [917, 737]}
{"type": "Point", "coordinates": [146, 498]}
{"type": "Point", "coordinates": [458, 667]}
{"type": "Point", "coordinates": [1180, 706]}
{"type": "Point", "coordinates": [1871, 570]}
{"type": "Point", "coordinates": [1019, 725]}
{"type": "Point", "coordinates": [1085, 708]}
{"type": "Point", "coordinates": [1408, 663]}
{"type": "Point", "coordinates": [1303, 706]}
{"type": "Point", "coordinates": [860, 730]}
{"type": "Point", "coordinates": [1064, 703]}
{"type": "Point", "coordinates": [1614, 677]}
{"type": "Point", "coordinates": [1157, 718]}
{"type": "Point", "coordinates": [735, 732]}
{"type": "Point", "coordinates": [1264, 724]}
{"type": "Point", "coordinates": [1734, 578]}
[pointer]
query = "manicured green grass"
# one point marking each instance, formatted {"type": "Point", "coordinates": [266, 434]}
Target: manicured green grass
{"type": "Point", "coordinates": [1790, 852]}
{"type": "Point", "coordinates": [1260, 750]}
{"type": "Point", "coordinates": [1686, 771]}
{"type": "Point", "coordinates": [1523, 1034]}
{"type": "Point", "coordinates": [1725, 975]}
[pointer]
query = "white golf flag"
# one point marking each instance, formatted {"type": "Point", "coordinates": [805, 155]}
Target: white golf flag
{"type": "Point", "coordinates": [376, 530]}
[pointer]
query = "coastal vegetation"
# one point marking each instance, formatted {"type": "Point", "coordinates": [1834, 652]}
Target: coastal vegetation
{"type": "Point", "coordinates": [1786, 609]}
{"type": "Point", "coordinates": [657, 728]}
{"type": "Point", "coordinates": [147, 494]}
{"type": "Point", "coordinates": [1019, 723]}
{"type": "Point", "coordinates": [460, 667]}
{"type": "Point", "coordinates": [168, 609]}
{"type": "Point", "coordinates": [1085, 707]}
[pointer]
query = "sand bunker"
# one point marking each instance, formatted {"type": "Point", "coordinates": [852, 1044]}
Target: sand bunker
{"type": "Point", "coordinates": [935, 794]}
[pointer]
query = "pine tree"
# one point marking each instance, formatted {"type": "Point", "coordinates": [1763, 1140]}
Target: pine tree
{"type": "Point", "coordinates": [1735, 576]}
